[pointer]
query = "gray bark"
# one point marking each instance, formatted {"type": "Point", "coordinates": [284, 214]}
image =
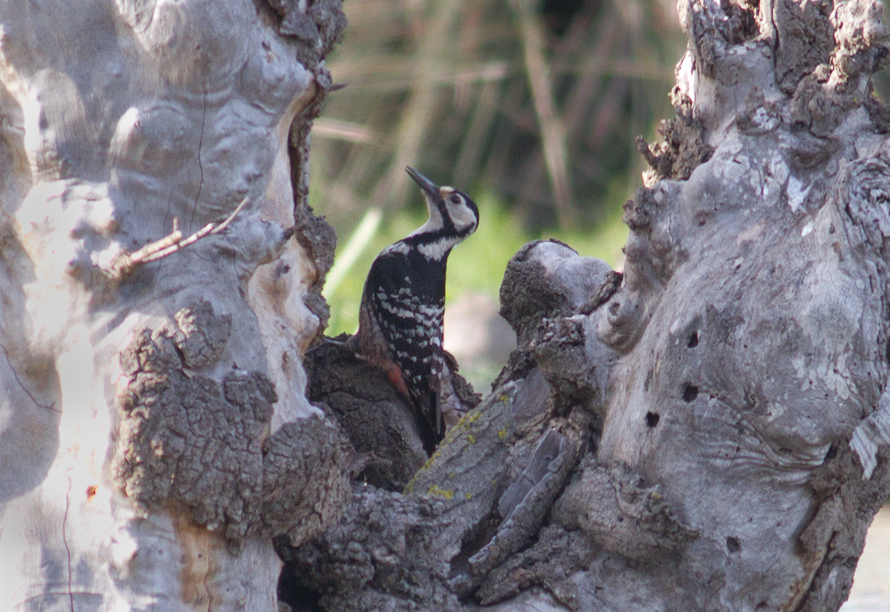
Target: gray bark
{"type": "Point", "coordinates": [709, 430]}
{"type": "Point", "coordinates": [155, 433]}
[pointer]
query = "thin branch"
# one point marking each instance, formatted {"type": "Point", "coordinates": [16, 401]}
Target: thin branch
{"type": "Point", "coordinates": [173, 242]}
{"type": "Point", "coordinates": [229, 219]}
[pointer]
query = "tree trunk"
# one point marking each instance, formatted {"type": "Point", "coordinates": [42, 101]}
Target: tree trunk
{"type": "Point", "coordinates": [155, 433]}
{"type": "Point", "coordinates": [707, 431]}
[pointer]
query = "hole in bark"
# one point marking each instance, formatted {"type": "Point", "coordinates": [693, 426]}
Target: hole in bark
{"type": "Point", "coordinates": [690, 392]}
{"type": "Point", "coordinates": [831, 453]}
{"type": "Point", "coordinates": [297, 596]}
{"type": "Point", "coordinates": [887, 352]}
{"type": "Point", "coordinates": [733, 545]}
{"type": "Point", "coordinates": [693, 340]}
{"type": "Point", "coordinates": [652, 419]}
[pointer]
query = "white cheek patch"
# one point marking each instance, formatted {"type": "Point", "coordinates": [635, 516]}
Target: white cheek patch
{"type": "Point", "coordinates": [461, 215]}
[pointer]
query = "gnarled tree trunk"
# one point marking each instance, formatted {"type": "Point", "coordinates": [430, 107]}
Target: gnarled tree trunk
{"type": "Point", "coordinates": [709, 430]}
{"type": "Point", "coordinates": [155, 433]}
{"type": "Point", "coordinates": [706, 431]}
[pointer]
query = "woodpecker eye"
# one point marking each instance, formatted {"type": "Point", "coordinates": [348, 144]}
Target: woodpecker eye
{"type": "Point", "coordinates": [455, 199]}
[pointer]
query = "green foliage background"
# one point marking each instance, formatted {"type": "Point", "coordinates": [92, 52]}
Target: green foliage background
{"type": "Point", "coordinates": [529, 106]}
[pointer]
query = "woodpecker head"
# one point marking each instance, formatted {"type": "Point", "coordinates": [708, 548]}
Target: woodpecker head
{"type": "Point", "coordinates": [453, 215]}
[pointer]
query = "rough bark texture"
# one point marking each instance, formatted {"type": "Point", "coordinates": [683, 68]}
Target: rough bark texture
{"type": "Point", "coordinates": [708, 430]}
{"type": "Point", "coordinates": [154, 432]}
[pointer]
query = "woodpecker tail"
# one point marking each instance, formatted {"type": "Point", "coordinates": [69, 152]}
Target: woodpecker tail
{"type": "Point", "coordinates": [430, 422]}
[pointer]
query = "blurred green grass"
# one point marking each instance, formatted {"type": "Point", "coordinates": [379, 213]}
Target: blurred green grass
{"type": "Point", "coordinates": [538, 101]}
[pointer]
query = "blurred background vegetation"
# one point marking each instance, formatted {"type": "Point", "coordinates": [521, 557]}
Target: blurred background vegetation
{"type": "Point", "coordinates": [530, 106]}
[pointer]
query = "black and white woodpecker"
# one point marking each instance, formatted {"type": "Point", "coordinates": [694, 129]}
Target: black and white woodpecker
{"type": "Point", "coordinates": [403, 305]}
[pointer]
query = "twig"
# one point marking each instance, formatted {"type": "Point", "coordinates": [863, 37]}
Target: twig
{"type": "Point", "coordinates": [169, 244]}
{"type": "Point", "coordinates": [343, 130]}
{"type": "Point", "coordinates": [146, 251]}
{"type": "Point", "coordinates": [229, 219]}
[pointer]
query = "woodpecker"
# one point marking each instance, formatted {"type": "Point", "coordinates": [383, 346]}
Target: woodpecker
{"type": "Point", "coordinates": [403, 305]}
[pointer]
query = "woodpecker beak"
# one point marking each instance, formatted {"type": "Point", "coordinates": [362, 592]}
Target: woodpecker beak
{"type": "Point", "coordinates": [428, 187]}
